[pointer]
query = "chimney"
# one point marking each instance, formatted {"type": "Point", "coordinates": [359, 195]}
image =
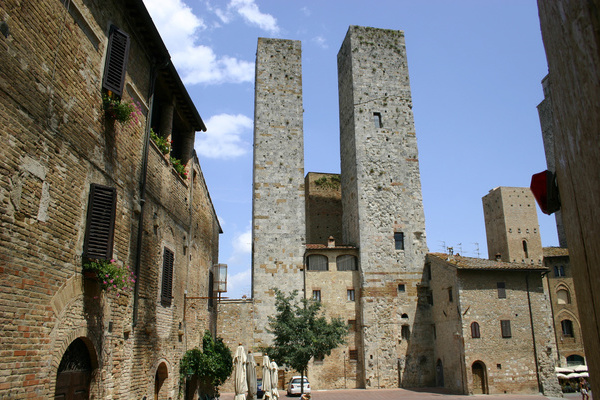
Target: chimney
{"type": "Point", "coordinates": [330, 242]}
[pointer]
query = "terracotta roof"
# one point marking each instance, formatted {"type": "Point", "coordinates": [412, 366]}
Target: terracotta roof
{"type": "Point", "coordinates": [324, 247]}
{"type": "Point", "coordinates": [471, 263]}
{"type": "Point", "coordinates": [556, 252]}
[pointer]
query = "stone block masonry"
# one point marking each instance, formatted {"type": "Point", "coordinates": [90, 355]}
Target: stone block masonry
{"type": "Point", "coordinates": [278, 228]}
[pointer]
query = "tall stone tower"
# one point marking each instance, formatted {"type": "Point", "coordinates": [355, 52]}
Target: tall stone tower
{"type": "Point", "coordinates": [382, 203]}
{"type": "Point", "coordinates": [511, 225]}
{"type": "Point", "coordinates": [278, 223]}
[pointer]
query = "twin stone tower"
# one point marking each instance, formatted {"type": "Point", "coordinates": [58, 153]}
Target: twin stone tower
{"type": "Point", "coordinates": [378, 207]}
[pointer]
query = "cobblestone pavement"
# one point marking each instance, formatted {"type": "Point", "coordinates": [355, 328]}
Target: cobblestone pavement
{"type": "Point", "coordinates": [407, 394]}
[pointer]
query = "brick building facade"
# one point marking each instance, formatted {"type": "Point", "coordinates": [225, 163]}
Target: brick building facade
{"type": "Point", "coordinates": [61, 332]}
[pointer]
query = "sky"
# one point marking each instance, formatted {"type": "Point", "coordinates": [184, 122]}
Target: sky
{"type": "Point", "coordinates": [475, 71]}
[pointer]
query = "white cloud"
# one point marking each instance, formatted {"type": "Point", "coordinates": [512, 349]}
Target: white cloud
{"type": "Point", "coordinates": [306, 11]}
{"type": "Point", "coordinates": [223, 138]}
{"type": "Point", "coordinates": [249, 11]}
{"type": "Point", "coordinates": [196, 63]}
{"type": "Point", "coordinates": [239, 284]}
{"type": "Point", "coordinates": [243, 243]}
{"type": "Point", "coordinates": [320, 41]}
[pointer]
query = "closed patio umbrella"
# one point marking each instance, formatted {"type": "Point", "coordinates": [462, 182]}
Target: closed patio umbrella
{"type": "Point", "coordinates": [239, 374]}
{"type": "Point", "coordinates": [274, 380]}
{"type": "Point", "coordinates": [580, 368]}
{"type": "Point", "coordinates": [251, 377]}
{"type": "Point", "coordinates": [266, 382]}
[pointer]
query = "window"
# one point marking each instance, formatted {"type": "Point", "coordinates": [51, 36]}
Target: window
{"type": "Point", "coordinates": [405, 332]}
{"type": "Point", "coordinates": [574, 360]}
{"type": "Point", "coordinates": [559, 270]}
{"type": "Point", "coordinates": [319, 359]}
{"type": "Point", "coordinates": [563, 296]}
{"type": "Point", "coordinates": [399, 240]}
{"type": "Point", "coordinates": [505, 327]}
{"type": "Point", "coordinates": [353, 354]}
{"type": "Point", "coordinates": [434, 331]}
{"type": "Point", "coordinates": [116, 61]}
{"type": "Point", "coordinates": [475, 334]}
{"type": "Point", "coordinates": [346, 263]}
{"type": "Point", "coordinates": [377, 120]}
{"type": "Point", "coordinates": [317, 295]}
{"type": "Point", "coordinates": [352, 325]}
{"type": "Point", "coordinates": [450, 297]}
{"type": "Point", "coordinates": [430, 297]}
{"type": "Point", "coordinates": [525, 249]}
{"type": "Point", "coordinates": [427, 272]}
{"type": "Point", "coordinates": [567, 327]}
{"type": "Point", "coordinates": [316, 262]}
{"type": "Point", "coordinates": [100, 223]}
{"type": "Point", "coordinates": [211, 289]}
{"type": "Point", "coordinates": [401, 288]}
{"type": "Point", "coordinates": [501, 290]}
{"type": "Point", "coordinates": [167, 277]}
{"type": "Point", "coordinates": [350, 294]}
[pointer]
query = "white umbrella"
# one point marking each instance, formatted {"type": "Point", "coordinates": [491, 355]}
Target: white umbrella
{"type": "Point", "coordinates": [573, 375]}
{"type": "Point", "coordinates": [266, 382]}
{"type": "Point", "coordinates": [584, 375]}
{"type": "Point", "coordinates": [251, 377]}
{"type": "Point", "coordinates": [274, 380]}
{"type": "Point", "coordinates": [561, 376]}
{"type": "Point", "coordinates": [239, 374]}
{"type": "Point", "coordinates": [580, 368]}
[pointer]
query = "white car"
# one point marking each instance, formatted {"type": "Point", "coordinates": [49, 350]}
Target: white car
{"type": "Point", "coordinates": [294, 386]}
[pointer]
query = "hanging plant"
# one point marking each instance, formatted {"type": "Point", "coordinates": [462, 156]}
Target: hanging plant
{"type": "Point", "coordinates": [109, 274]}
{"type": "Point", "coordinates": [162, 143]}
{"type": "Point", "coordinates": [116, 109]}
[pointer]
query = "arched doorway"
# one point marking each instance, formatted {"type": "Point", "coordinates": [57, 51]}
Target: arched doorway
{"type": "Point", "coordinates": [439, 374]}
{"type": "Point", "coordinates": [479, 378]}
{"type": "Point", "coordinates": [161, 375]}
{"type": "Point", "coordinates": [74, 372]}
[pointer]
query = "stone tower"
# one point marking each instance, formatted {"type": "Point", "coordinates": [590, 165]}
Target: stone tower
{"type": "Point", "coordinates": [382, 202]}
{"type": "Point", "coordinates": [278, 223]}
{"type": "Point", "coordinates": [511, 225]}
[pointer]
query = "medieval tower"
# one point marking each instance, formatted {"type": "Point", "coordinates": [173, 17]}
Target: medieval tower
{"type": "Point", "coordinates": [381, 194]}
{"type": "Point", "coordinates": [278, 184]}
{"type": "Point", "coordinates": [511, 225]}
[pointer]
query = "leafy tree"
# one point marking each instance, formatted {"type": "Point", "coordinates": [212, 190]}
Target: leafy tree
{"type": "Point", "coordinates": [301, 332]}
{"type": "Point", "coordinates": [205, 369]}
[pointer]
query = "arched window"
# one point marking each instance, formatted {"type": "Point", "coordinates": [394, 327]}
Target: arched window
{"type": "Point", "coordinates": [567, 327]}
{"type": "Point", "coordinates": [475, 334]}
{"type": "Point", "coordinates": [316, 262]}
{"type": "Point", "coordinates": [563, 296]}
{"type": "Point", "coordinates": [404, 316]}
{"type": "Point", "coordinates": [574, 359]}
{"type": "Point", "coordinates": [346, 262]}
{"type": "Point", "coordinates": [525, 249]}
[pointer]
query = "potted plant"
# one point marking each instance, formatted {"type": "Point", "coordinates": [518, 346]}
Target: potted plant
{"type": "Point", "coordinates": [116, 109]}
{"type": "Point", "coordinates": [109, 274]}
{"type": "Point", "coordinates": [179, 167]}
{"type": "Point", "coordinates": [162, 143]}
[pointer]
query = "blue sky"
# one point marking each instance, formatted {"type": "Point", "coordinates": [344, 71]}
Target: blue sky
{"type": "Point", "coordinates": [475, 70]}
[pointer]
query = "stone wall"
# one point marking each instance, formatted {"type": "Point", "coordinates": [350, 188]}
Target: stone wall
{"type": "Point", "coordinates": [570, 33]}
{"type": "Point", "coordinates": [323, 207]}
{"type": "Point", "coordinates": [57, 143]}
{"type": "Point", "coordinates": [381, 191]}
{"type": "Point", "coordinates": [278, 227]}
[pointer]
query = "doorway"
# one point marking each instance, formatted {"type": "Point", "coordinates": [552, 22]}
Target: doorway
{"type": "Point", "coordinates": [161, 375]}
{"type": "Point", "coordinates": [439, 374]}
{"type": "Point", "coordinates": [479, 378]}
{"type": "Point", "coordinates": [74, 373]}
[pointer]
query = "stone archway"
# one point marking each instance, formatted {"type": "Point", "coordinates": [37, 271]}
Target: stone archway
{"type": "Point", "coordinates": [479, 378]}
{"type": "Point", "coordinates": [162, 373]}
{"type": "Point", "coordinates": [74, 373]}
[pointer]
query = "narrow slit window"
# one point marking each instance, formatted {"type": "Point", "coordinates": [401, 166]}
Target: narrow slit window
{"type": "Point", "coordinates": [317, 295]}
{"type": "Point", "coordinates": [399, 240]}
{"type": "Point", "coordinates": [350, 294]}
{"type": "Point", "coordinates": [505, 327]}
{"type": "Point", "coordinates": [501, 290]}
{"type": "Point", "coordinates": [377, 120]}
{"type": "Point", "coordinates": [525, 249]}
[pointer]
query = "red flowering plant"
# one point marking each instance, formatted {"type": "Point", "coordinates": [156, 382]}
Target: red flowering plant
{"type": "Point", "coordinates": [179, 167]}
{"type": "Point", "coordinates": [111, 275]}
{"type": "Point", "coordinates": [118, 110]}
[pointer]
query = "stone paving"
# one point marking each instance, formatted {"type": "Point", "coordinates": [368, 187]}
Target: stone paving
{"type": "Point", "coordinates": [407, 394]}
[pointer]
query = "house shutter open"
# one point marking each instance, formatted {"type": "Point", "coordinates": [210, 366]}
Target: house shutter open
{"type": "Point", "coordinates": [167, 278]}
{"type": "Point", "coordinates": [116, 61]}
{"type": "Point", "coordinates": [100, 224]}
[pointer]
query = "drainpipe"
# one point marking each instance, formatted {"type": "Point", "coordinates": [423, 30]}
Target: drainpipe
{"type": "Point", "coordinates": [138, 253]}
{"type": "Point", "coordinates": [535, 356]}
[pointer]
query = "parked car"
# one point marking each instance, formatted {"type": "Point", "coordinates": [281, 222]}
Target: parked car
{"type": "Point", "coordinates": [293, 386]}
{"type": "Point", "coordinates": [259, 391]}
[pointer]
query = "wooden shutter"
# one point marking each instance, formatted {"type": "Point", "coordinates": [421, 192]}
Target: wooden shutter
{"type": "Point", "coordinates": [116, 61]}
{"type": "Point", "coordinates": [475, 330]}
{"type": "Point", "coordinates": [100, 224]}
{"type": "Point", "coordinates": [501, 290]}
{"type": "Point", "coordinates": [505, 325]}
{"type": "Point", "coordinates": [167, 278]}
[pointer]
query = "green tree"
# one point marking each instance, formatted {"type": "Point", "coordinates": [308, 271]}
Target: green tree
{"type": "Point", "coordinates": [302, 332]}
{"type": "Point", "coordinates": [205, 369]}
